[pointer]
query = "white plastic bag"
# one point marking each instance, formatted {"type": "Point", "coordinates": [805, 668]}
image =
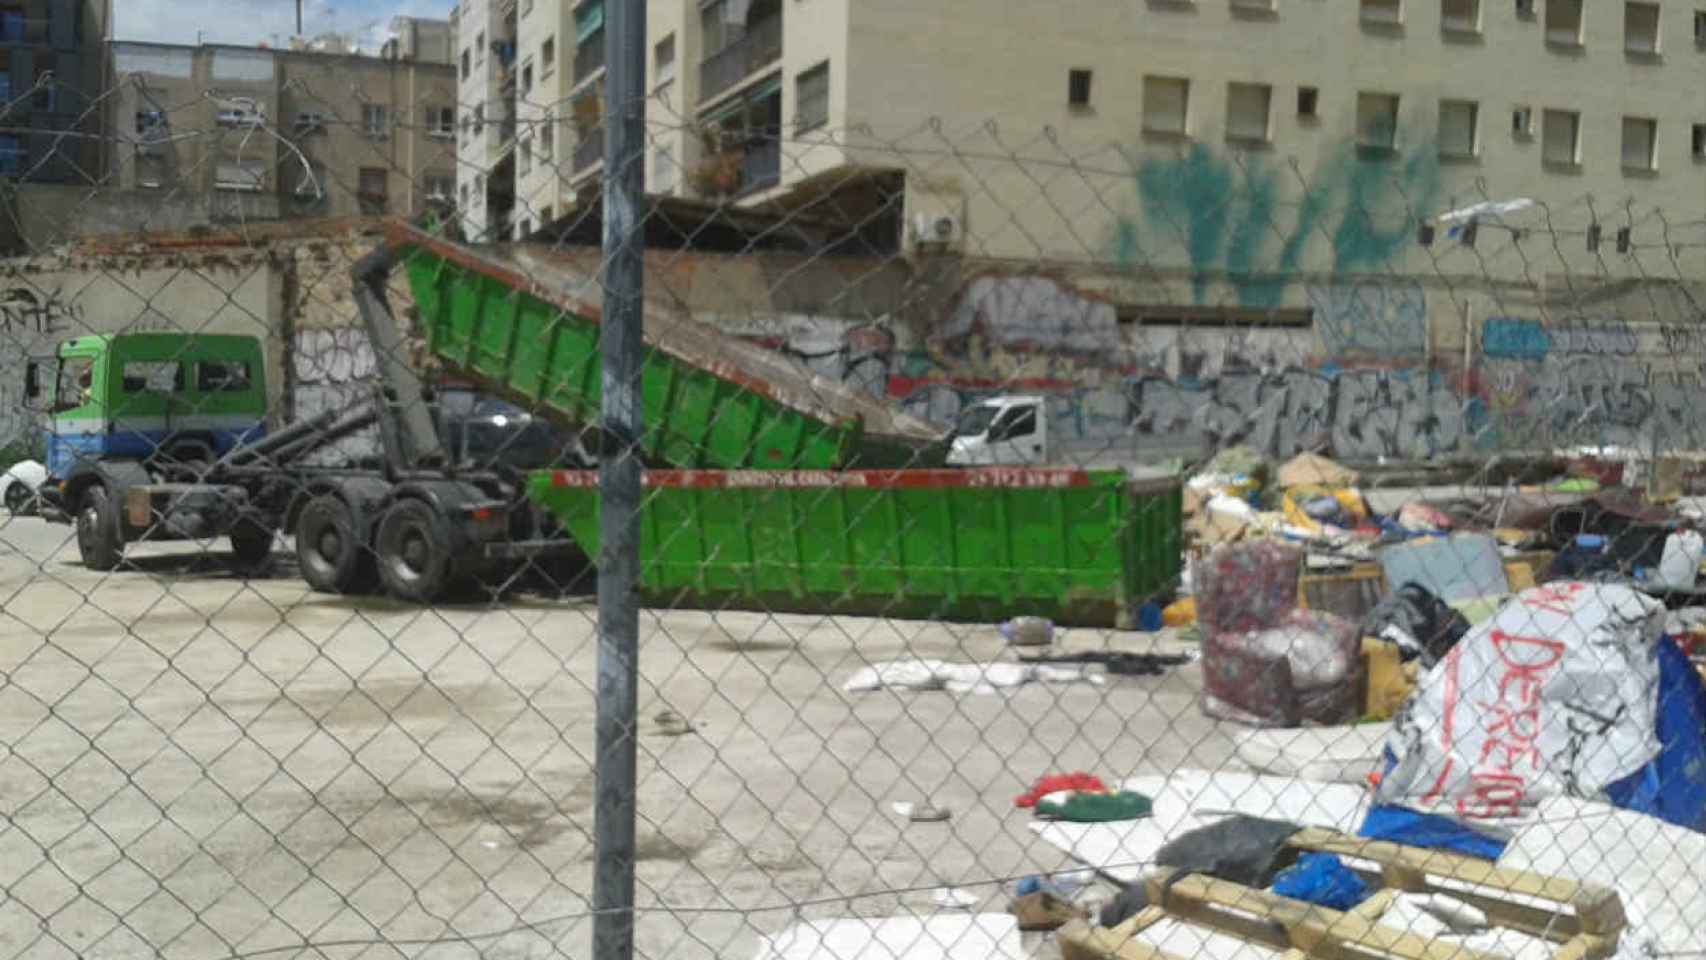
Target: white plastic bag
{"type": "Point", "coordinates": [1679, 565]}
{"type": "Point", "coordinates": [1554, 696]}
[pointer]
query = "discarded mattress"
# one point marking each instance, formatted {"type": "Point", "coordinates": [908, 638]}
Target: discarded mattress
{"type": "Point", "coordinates": [1656, 868]}
{"type": "Point", "coordinates": [961, 677]}
{"type": "Point", "coordinates": [980, 936]}
{"type": "Point", "coordinates": [1125, 851]}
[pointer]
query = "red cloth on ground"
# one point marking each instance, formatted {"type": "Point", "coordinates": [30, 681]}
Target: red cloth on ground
{"type": "Point", "coordinates": [1054, 783]}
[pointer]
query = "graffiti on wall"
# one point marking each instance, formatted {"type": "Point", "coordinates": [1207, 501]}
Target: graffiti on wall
{"type": "Point", "coordinates": [24, 312]}
{"type": "Point", "coordinates": [1592, 382]}
{"type": "Point", "coordinates": [332, 369]}
{"type": "Point", "coordinates": [1381, 320]}
{"type": "Point", "coordinates": [1258, 221]}
{"type": "Point", "coordinates": [1356, 414]}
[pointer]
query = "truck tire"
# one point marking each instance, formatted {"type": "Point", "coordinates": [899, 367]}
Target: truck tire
{"type": "Point", "coordinates": [251, 547]}
{"type": "Point", "coordinates": [331, 553]}
{"type": "Point", "coordinates": [100, 541]}
{"type": "Point", "coordinates": [413, 546]}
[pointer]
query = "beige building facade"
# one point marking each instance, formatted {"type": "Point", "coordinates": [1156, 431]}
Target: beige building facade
{"type": "Point", "coordinates": [1417, 226]}
{"type": "Point", "coordinates": [284, 133]}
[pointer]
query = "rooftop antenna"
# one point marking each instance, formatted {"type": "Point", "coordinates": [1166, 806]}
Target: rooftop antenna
{"type": "Point", "coordinates": [299, 18]}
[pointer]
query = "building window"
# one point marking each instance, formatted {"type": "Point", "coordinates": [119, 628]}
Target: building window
{"type": "Point", "coordinates": [1247, 111]}
{"type": "Point", "coordinates": [1377, 121]}
{"type": "Point", "coordinates": [527, 78]}
{"type": "Point", "coordinates": [1460, 16]}
{"type": "Point", "coordinates": [1641, 27]}
{"type": "Point", "coordinates": [1166, 104]}
{"type": "Point", "coordinates": [524, 158]}
{"type": "Point", "coordinates": [463, 193]}
{"type": "Point", "coordinates": [1307, 100]}
{"type": "Point", "coordinates": [371, 189]}
{"type": "Point", "coordinates": [466, 70]}
{"type": "Point", "coordinates": [1640, 138]}
{"type": "Point", "coordinates": [523, 229]}
{"type": "Point", "coordinates": [663, 61]}
{"type": "Point", "coordinates": [1700, 28]}
{"type": "Point", "coordinates": [1561, 138]}
{"type": "Point", "coordinates": [548, 57]}
{"type": "Point", "coordinates": [375, 120]}
{"type": "Point", "coordinates": [150, 171]}
{"type": "Point", "coordinates": [547, 138]}
{"type": "Point", "coordinates": [1697, 141]}
{"type": "Point", "coordinates": [1078, 88]}
{"type": "Point", "coordinates": [546, 215]}
{"type": "Point", "coordinates": [663, 171]}
{"type": "Point", "coordinates": [440, 187]}
{"type": "Point", "coordinates": [441, 122]}
{"type": "Point", "coordinates": [479, 119]}
{"type": "Point", "coordinates": [1564, 22]}
{"type": "Point", "coordinates": [480, 49]}
{"type": "Point", "coordinates": [811, 98]}
{"type": "Point", "coordinates": [247, 176]}
{"type": "Point", "coordinates": [1383, 12]}
{"type": "Point", "coordinates": [1458, 128]}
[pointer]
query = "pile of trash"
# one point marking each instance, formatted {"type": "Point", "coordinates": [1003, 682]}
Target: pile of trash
{"type": "Point", "coordinates": [1315, 608]}
{"type": "Point", "coordinates": [1563, 735]}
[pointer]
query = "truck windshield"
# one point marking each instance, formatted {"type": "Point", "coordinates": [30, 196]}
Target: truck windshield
{"type": "Point", "coordinates": [975, 421]}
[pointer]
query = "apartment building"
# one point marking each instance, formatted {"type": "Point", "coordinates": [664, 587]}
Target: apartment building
{"type": "Point", "coordinates": [1381, 112]}
{"type": "Point", "coordinates": [53, 67]}
{"type": "Point", "coordinates": [287, 133]}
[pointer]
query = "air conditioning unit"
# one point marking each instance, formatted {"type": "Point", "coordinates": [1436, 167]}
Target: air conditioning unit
{"type": "Point", "coordinates": [939, 229]}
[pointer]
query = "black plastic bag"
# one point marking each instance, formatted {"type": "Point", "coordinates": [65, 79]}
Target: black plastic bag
{"type": "Point", "coordinates": [1247, 850]}
{"type": "Point", "coordinates": [1427, 627]}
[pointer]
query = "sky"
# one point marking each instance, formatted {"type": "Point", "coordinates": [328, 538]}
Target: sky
{"type": "Point", "coordinates": [257, 21]}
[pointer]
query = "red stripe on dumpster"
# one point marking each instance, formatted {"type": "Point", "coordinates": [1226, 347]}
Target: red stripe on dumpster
{"type": "Point", "coordinates": [831, 479]}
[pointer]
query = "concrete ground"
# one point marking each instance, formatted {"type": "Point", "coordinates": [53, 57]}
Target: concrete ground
{"type": "Point", "coordinates": [201, 767]}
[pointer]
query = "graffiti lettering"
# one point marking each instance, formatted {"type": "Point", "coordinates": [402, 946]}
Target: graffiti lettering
{"type": "Point", "coordinates": [23, 310]}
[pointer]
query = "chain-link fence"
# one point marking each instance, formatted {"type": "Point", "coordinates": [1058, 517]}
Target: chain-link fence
{"type": "Point", "coordinates": [1045, 547]}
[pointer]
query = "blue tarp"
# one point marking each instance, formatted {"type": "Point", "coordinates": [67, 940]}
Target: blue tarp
{"type": "Point", "coordinates": [1672, 787]}
{"type": "Point", "coordinates": [1322, 879]}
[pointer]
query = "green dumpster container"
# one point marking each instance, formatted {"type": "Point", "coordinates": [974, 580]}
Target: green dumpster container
{"type": "Point", "coordinates": [1081, 547]}
{"type": "Point", "coordinates": [710, 400]}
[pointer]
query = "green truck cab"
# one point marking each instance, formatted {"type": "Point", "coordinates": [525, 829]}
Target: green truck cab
{"type": "Point", "coordinates": [145, 396]}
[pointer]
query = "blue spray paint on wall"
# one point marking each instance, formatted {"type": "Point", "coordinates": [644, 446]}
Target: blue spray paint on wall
{"type": "Point", "coordinates": [1236, 217]}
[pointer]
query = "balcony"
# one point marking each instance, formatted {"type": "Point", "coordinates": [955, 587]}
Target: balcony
{"type": "Point", "coordinates": [757, 47]}
{"type": "Point", "coordinates": [589, 56]}
{"type": "Point", "coordinates": [741, 170]}
{"type": "Point", "coordinates": [760, 167]}
{"type": "Point", "coordinates": [589, 150]}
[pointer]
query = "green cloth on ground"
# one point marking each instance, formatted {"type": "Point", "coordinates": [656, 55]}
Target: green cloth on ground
{"type": "Point", "coordinates": [1098, 807]}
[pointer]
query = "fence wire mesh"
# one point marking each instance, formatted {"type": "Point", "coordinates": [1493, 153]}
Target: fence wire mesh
{"type": "Point", "coordinates": [1015, 507]}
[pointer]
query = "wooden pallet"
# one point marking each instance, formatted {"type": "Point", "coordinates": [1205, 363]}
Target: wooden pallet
{"type": "Point", "coordinates": [1587, 930]}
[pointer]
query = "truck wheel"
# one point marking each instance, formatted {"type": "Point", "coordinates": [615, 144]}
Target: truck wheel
{"type": "Point", "coordinates": [100, 542]}
{"type": "Point", "coordinates": [414, 552]}
{"type": "Point", "coordinates": [18, 497]}
{"type": "Point", "coordinates": [330, 552]}
{"type": "Point", "coordinates": [251, 545]}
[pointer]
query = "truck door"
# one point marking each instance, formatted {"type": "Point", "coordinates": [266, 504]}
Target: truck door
{"type": "Point", "coordinates": [1016, 436]}
{"type": "Point", "coordinates": [76, 425]}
